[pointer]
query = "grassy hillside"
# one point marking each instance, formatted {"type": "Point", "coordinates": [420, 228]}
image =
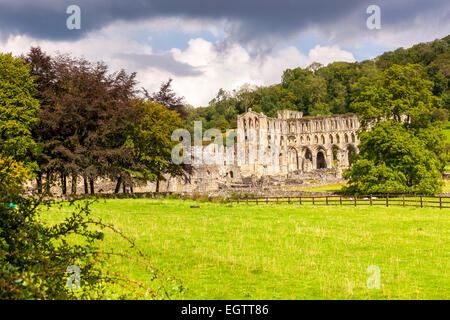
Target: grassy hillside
{"type": "Point", "coordinates": [222, 251]}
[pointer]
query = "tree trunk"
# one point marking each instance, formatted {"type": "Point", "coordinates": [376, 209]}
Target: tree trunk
{"type": "Point", "coordinates": [39, 182]}
{"type": "Point", "coordinates": [168, 184]}
{"type": "Point", "coordinates": [86, 191]}
{"type": "Point", "coordinates": [74, 184]}
{"type": "Point", "coordinates": [124, 188]}
{"type": "Point", "coordinates": [47, 182]}
{"type": "Point", "coordinates": [157, 184]}
{"type": "Point", "coordinates": [131, 189]}
{"type": "Point", "coordinates": [91, 183]}
{"type": "Point", "coordinates": [119, 181]}
{"type": "Point", "coordinates": [63, 183]}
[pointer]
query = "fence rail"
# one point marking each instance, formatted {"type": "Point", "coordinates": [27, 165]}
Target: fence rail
{"type": "Point", "coordinates": [384, 200]}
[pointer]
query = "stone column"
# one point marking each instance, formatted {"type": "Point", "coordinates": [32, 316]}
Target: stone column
{"type": "Point", "coordinates": [314, 159]}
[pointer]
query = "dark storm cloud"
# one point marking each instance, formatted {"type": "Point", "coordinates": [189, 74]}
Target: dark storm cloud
{"type": "Point", "coordinates": [164, 62]}
{"type": "Point", "coordinates": [249, 20]}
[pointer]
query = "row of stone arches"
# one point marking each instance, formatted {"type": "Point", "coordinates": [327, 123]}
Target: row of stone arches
{"type": "Point", "coordinates": [319, 158]}
{"type": "Point", "coordinates": [310, 126]}
{"type": "Point", "coordinates": [318, 139]}
{"type": "Point", "coordinates": [252, 123]}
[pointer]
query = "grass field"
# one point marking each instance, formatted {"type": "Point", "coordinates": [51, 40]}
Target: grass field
{"type": "Point", "coordinates": [324, 188]}
{"type": "Point", "coordinates": [338, 187]}
{"type": "Point", "coordinates": [223, 251]}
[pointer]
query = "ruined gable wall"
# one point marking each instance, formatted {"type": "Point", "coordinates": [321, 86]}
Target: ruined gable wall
{"type": "Point", "coordinates": [277, 146]}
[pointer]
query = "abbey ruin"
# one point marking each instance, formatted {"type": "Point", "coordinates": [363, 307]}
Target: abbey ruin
{"type": "Point", "coordinates": [289, 148]}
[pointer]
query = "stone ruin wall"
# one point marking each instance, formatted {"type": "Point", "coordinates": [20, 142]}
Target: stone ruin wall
{"type": "Point", "coordinates": [303, 144]}
{"type": "Point", "coordinates": [289, 149]}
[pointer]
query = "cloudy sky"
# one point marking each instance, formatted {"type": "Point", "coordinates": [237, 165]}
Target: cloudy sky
{"type": "Point", "coordinates": [205, 45]}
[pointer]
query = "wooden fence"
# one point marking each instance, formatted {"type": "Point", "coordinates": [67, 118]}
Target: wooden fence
{"type": "Point", "coordinates": [383, 200]}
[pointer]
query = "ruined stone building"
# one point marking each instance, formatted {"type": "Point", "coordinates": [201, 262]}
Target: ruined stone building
{"type": "Point", "coordinates": [287, 148]}
{"type": "Point", "coordinates": [303, 144]}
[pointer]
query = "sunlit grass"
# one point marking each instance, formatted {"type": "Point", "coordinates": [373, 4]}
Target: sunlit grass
{"type": "Point", "coordinates": [325, 188]}
{"type": "Point", "coordinates": [338, 186]}
{"type": "Point", "coordinates": [283, 251]}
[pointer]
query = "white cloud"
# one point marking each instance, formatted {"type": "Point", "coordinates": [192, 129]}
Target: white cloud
{"type": "Point", "coordinates": [223, 65]}
{"type": "Point", "coordinates": [325, 55]}
{"type": "Point", "coordinates": [234, 66]}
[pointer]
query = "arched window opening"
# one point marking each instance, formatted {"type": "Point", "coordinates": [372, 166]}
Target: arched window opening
{"type": "Point", "coordinates": [321, 163]}
{"type": "Point", "coordinates": [307, 161]}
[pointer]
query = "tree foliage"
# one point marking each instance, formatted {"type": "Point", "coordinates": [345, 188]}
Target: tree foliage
{"type": "Point", "coordinates": [168, 98]}
{"type": "Point", "coordinates": [400, 93]}
{"type": "Point", "coordinates": [150, 137]}
{"type": "Point", "coordinates": [402, 143]}
{"type": "Point", "coordinates": [87, 121]}
{"type": "Point", "coordinates": [18, 109]}
{"type": "Point", "coordinates": [393, 159]}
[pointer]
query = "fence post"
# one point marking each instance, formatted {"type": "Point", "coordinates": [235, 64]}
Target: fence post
{"type": "Point", "coordinates": [440, 202]}
{"type": "Point", "coordinates": [403, 200]}
{"type": "Point", "coordinates": [387, 200]}
{"type": "Point", "coordinates": [300, 199]}
{"type": "Point", "coordinates": [340, 200]}
{"type": "Point", "coordinates": [289, 199]}
{"type": "Point", "coordinates": [247, 200]}
{"type": "Point", "coordinates": [326, 198]}
{"type": "Point", "coordinates": [313, 201]}
{"type": "Point", "coordinates": [370, 197]}
{"type": "Point", "coordinates": [421, 201]}
{"type": "Point", "coordinates": [355, 200]}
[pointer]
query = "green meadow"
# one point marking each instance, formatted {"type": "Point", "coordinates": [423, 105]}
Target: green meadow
{"type": "Point", "coordinates": [325, 188]}
{"type": "Point", "coordinates": [338, 186]}
{"type": "Point", "coordinates": [280, 251]}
